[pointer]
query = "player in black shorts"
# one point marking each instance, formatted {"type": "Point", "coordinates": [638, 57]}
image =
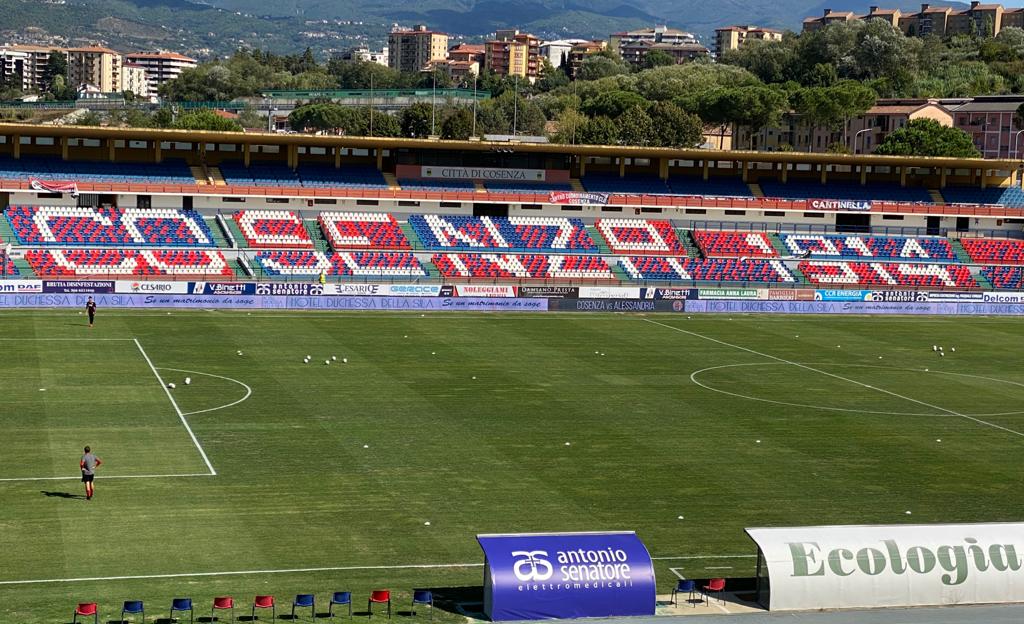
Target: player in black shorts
{"type": "Point", "coordinates": [89, 464]}
{"type": "Point", "coordinates": [90, 309]}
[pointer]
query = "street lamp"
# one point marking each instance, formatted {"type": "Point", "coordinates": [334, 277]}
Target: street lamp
{"type": "Point", "coordinates": [1016, 143]}
{"type": "Point", "coordinates": [475, 78]}
{"type": "Point", "coordinates": [856, 136]}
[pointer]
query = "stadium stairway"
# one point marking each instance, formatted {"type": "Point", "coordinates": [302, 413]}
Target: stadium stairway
{"type": "Point", "coordinates": [961, 254]}
{"type": "Point", "coordinates": [686, 238]}
{"type": "Point", "coordinates": [798, 275]}
{"type": "Point", "coordinates": [218, 234]}
{"type": "Point", "coordinates": [755, 189]}
{"type": "Point", "coordinates": [577, 185]}
{"type": "Point", "coordinates": [24, 268]}
{"type": "Point", "coordinates": [200, 175]}
{"type": "Point", "coordinates": [777, 243]}
{"type": "Point", "coordinates": [317, 235]}
{"type": "Point", "coordinates": [410, 233]}
{"type": "Point", "coordinates": [602, 246]}
{"type": "Point", "coordinates": [979, 277]}
{"type": "Point", "coordinates": [937, 196]}
{"type": "Point", "coordinates": [478, 187]}
{"type": "Point", "coordinates": [392, 181]}
{"type": "Point", "coordinates": [216, 177]}
{"type": "Point", "coordinates": [618, 271]}
{"type": "Point", "coordinates": [240, 240]}
{"type": "Point", "coordinates": [6, 233]}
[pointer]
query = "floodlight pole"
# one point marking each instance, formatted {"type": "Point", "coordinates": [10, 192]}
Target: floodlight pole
{"type": "Point", "coordinates": [475, 78]}
{"type": "Point", "coordinates": [371, 104]}
{"type": "Point", "coordinates": [433, 100]}
{"type": "Point", "coordinates": [515, 106]}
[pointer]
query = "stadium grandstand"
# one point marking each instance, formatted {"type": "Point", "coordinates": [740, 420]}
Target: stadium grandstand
{"type": "Point", "coordinates": [143, 203]}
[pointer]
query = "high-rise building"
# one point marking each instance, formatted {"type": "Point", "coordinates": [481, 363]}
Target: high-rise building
{"type": "Point", "coordinates": [634, 46]}
{"type": "Point", "coordinates": [512, 53]}
{"type": "Point", "coordinates": [134, 78]}
{"type": "Point", "coordinates": [732, 37]}
{"type": "Point", "coordinates": [161, 67]}
{"type": "Point", "coordinates": [416, 49]}
{"type": "Point", "coordinates": [24, 64]}
{"type": "Point", "coordinates": [558, 51]}
{"type": "Point", "coordinates": [95, 67]}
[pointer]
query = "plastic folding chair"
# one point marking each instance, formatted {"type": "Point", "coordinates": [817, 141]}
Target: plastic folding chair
{"type": "Point", "coordinates": [223, 603]}
{"type": "Point", "coordinates": [181, 604]}
{"type": "Point", "coordinates": [264, 602]}
{"type": "Point", "coordinates": [304, 601]}
{"type": "Point", "coordinates": [133, 607]}
{"type": "Point", "coordinates": [424, 597]}
{"type": "Point", "coordinates": [340, 598]}
{"type": "Point", "coordinates": [714, 586]}
{"type": "Point", "coordinates": [379, 596]}
{"type": "Point", "coordinates": [685, 586]}
{"type": "Point", "coordinates": [85, 609]}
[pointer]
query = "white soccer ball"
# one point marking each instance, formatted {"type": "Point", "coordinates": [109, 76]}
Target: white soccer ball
{"type": "Point", "coordinates": [568, 444]}
{"type": "Point", "coordinates": [344, 360]}
{"type": "Point", "coordinates": [309, 357]}
{"type": "Point", "coordinates": [935, 347]}
{"type": "Point", "coordinates": [334, 358]}
{"type": "Point", "coordinates": [366, 446]}
{"type": "Point", "coordinates": [188, 380]}
{"type": "Point", "coordinates": [171, 386]}
{"type": "Point", "coordinates": [474, 376]}
{"type": "Point", "coordinates": [941, 354]}
{"type": "Point", "coordinates": [427, 523]}
{"type": "Point", "coordinates": [327, 361]}
{"type": "Point", "coordinates": [940, 348]}
{"type": "Point", "coordinates": [908, 512]}
{"type": "Point", "coordinates": [953, 349]}
{"type": "Point", "coordinates": [433, 353]}
{"type": "Point", "coordinates": [239, 352]}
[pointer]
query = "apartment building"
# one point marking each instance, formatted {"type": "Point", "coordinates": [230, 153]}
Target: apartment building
{"type": "Point", "coordinates": [579, 53]}
{"type": "Point", "coordinates": [416, 49]}
{"type": "Point", "coordinates": [94, 66]}
{"type": "Point", "coordinates": [161, 67]}
{"type": "Point", "coordinates": [978, 19]}
{"type": "Point", "coordinates": [634, 46]}
{"type": "Point", "coordinates": [991, 120]}
{"type": "Point", "coordinates": [512, 53]}
{"type": "Point", "coordinates": [24, 65]}
{"type": "Point", "coordinates": [732, 37]}
{"type": "Point", "coordinates": [134, 78]}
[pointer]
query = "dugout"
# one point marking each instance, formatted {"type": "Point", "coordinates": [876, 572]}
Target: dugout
{"type": "Point", "coordinates": [839, 567]}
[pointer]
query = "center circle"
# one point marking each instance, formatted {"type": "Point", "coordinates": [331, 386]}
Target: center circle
{"type": "Point", "coordinates": [698, 373]}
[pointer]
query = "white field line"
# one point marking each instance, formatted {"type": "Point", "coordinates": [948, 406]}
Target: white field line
{"type": "Point", "coordinates": [703, 557]}
{"type": "Point", "coordinates": [72, 339]}
{"type": "Point", "coordinates": [411, 566]}
{"type": "Point", "coordinates": [834, 376]}
{"type": "Point", "coordinates": [106, 477]}
{"type": "Point", "coordinates": [248, 390]}
{"type": "Point", "coordinates": [177, 409]}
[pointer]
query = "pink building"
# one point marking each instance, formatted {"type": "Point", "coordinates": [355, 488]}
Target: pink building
{"type": "Point", "coordinates": [991, 122]}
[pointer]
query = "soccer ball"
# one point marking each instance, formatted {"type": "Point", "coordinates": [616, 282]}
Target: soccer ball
{"type": "Point", "coordinates": [188, 380]}
{"type": "Point", "coordinates": [334, 358]}
{"type": "Point", "coordinates": [344, 360]}
{"type": "Point", "coordinates": [171, 386]}
{"type": "Point", "coordinates": [327, 361]}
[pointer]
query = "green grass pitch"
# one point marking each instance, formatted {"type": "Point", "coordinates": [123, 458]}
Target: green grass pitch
{"type": "Point", "coordinates": [665, 424]}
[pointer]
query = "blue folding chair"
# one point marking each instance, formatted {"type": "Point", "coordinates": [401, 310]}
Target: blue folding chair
{"type": "Point", "coordinates": [685, 586]}
{"type": "Point", "coordinates": [182, 604]}
{"type": "Point", "coordinates": [340, 598]}
{"type": "Point", "coordinates": [133, 607]}
{"type": "Point", "coordinates": [304, 601]}
{"type": "Point", "coordinates": [424, 597]}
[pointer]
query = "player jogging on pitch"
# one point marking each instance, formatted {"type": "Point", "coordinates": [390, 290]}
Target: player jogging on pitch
{"type": "Point", "coordinates": [89, 464]}
{"type": "Point", "coordinates": [90, 309]}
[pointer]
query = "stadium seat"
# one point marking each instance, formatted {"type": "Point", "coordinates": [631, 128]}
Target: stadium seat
{"type": "Point", "coordinates": [106, 227]}
{"type": "Point", "coordinates": [346, 176]}
{"type": "Point", "coordinates": [530, 234]}
{"type": "Point", "coordinates": [495, 266]}
{"type": "Point", "coordinates": [379, 596]}
{"type": "Point", "coordinates": [715, 586]}
{"type": "Point", "coordinates": [716, 244]}
{"type": "Point", "coordinates": [1010, 196]}
{"type": "Point", "coordinates": [133, 607]}
{"type": "Point", "coordinates": [86, 609]}
{"type": "Point", "coordinates": [917, 275]}
{"type": "Point", "coordinates": [423, 597]}
{"type": "Point", "coordinates": [356, 264]}
{"type": "Point", "coordinates": [1005, 277]}
{"type": "Point", "coordinates": [714, 186]}
{"type": "Point", "coordinates": [640, 236]}
{"type": "Point", "coordinates": [266, 229]}
{"type": "Point", "coordinates": [449, 186]}
{"type": "Point", "coordinates": [223, 603]}
{"type": "Point", "coordinates": [854, 191]}
{"type": "Point", "coordinates": [684, 586]}
{"type": "Point", "coordinates": [181, 604]}
{"type": "Point", "coordinates": [629, 185]}
{"type": "Point", "coordinates": [57, 170]}
{"type": "Point", "coordinates": [994, 250]}
{"type": "Point", "coordinates": [362, 230]}
{"type": "Point", "coordinates": [527, 188]}
{"type": "Point", "coordinates": [340, 598]}
{"type": "Point", "coordinates": [710, 270]}
{"type": "Point", "coordinates": [304, 601]}
{"type": "Point", "coordinates": [880, 247]}
{"type": "Point", "coordinates": [7, 267]}
{"type": "Point", "coordinates": [128, 263]}
{"type": "Point", "coordinates": [264, 602]}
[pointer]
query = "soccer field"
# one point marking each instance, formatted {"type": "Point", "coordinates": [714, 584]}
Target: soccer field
{"type": "Point", "coordinates": [269, 475]}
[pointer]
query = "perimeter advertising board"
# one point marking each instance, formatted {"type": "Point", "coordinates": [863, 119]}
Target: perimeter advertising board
{"type": "Point", "coordinates": [837, 567]}
{"type": "Point", "coordinates": [536, 576]}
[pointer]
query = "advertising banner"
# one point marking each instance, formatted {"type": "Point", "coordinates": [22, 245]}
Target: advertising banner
{"type": "Point", "coordinates": [289, 288]}
{"type": "Point", "coordinates": [613, 305]}
{"type": "Point", "coordinates": [841, 295]}
{"type": "Point", "coordinates": [790, 294]}
{"type": "Point", "coordinates": [551, 292]}
{"type": "Point", "coordinates": [222, 288]}
{"type": "Point", "coordinates": [483, 173]}
{"type": "Point", "coordinates": [53, 186]}
{"type": "Point", "coordinates": [840, 204]}
{"type": "Point", "coordinates": [83, 286]}
{"type": "Point", "coordinates": [418, 304]}
{"type": "Point", "coordinates": [840, 567]}
{"type": "Point", "coordinates": [484, 290]}
{"type": "Point", "coordinates": [578, 198]}
{"type": "Point", "coordinates": [732, 293]}
{"type": "Point", "coordinates": [535, 576]}
{"type": "Point", "coordinates": [677, 294]}
{"type": "Point", "coordinates": [897, 295]}
{"type": "Point", "coordinates": [21, 286]}
{"type": "Point", "coordinates": [148, 286]}
{"type": "Point", "coordinates": [609, 292]}
{"type": "Point", "coordinates": [1002, 297]}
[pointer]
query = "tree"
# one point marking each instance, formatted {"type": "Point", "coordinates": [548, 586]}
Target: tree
{"type": "Point", "coordinates": [56, 65]}
{"type": "Point", "coordinates": [658, 58]}
{"type": "Point", "coordinates": [613, 103]}
{"type": "Point", "coordinates": [927, 137]}
{"type": "Point", "coordinates": [599, 131]}
{"type": "Point", "coordinates": [323, 117]}
{"type": "Point", "coordinates": [386, 125]}
{"type": "Point", "coordinates": [570, 124]}
{"type": "Point", "coordinates": [457, 124]}
{"type": "Point", "coordinates": [550, 77]}
{"type": "Point", "coordinates": [417, 121]}
{"type": "Point", "coordinates": [636, 127]}
{"type": "Point", "coordinates": [674, 127]}
{"type": "Point", "coordinates": [206, 119]}
{"type": "Point", "coordinates": [599, 65]}
{"type": "Point", "coordinates": [753, 107]}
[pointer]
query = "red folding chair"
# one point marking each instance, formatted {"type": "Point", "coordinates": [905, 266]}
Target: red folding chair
{"type": "Point", "coordinates": [714, 586]}
{"type": "Point", "coordinates": [379, 596]}
{"type": "Point", "coordinates": [223, 603]}
{"type": "Point", "coordinates": [264, 602]}
{"type": "Point", "coordinates": [85, 609]}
